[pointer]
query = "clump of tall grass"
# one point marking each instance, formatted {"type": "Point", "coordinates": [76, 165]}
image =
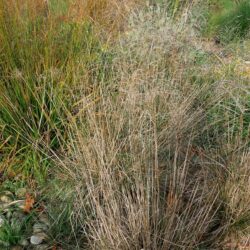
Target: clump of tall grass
{"type": "Point", "coordinates": [139, 139]}
{"type": "Point", "coordinates": [41, 58]}
{"type": "Point", "coordinates": [236, 195]}
{"type": "Point", "coordinates": [143, 178]}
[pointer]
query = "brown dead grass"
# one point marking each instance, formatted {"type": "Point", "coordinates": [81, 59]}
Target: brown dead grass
{"type": "Point", "coordinates": [108, 16]}
{"type": "Point", "coordinates": [141, 179]}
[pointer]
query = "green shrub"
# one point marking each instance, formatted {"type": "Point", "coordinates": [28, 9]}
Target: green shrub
{"type": "Point", "coordinates": [233, 21]}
